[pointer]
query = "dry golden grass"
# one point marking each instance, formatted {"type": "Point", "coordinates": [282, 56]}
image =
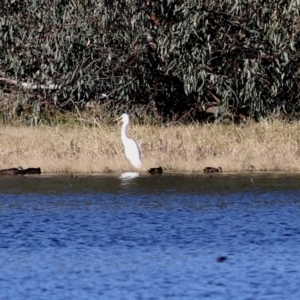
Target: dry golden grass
{"type": "Point", "coordinates": [268, 146]}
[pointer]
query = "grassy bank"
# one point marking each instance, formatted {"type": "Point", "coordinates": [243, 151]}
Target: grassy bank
{"type": "Point", "coordinates": [269, 146]}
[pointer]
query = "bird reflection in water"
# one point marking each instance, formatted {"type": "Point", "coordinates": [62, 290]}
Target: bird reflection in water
{"type": "Point", "coordinates": [128, 177]}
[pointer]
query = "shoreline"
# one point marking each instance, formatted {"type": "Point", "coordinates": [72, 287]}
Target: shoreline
{"type": "Point", "coordinates": [268, 146]}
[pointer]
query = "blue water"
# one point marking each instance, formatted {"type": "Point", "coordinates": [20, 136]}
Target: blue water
{"type": "Point", "coordinates": [150, 237]}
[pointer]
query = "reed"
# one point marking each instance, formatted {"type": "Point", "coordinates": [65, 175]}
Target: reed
{"type": "Point", "coordinates": [269, 146]}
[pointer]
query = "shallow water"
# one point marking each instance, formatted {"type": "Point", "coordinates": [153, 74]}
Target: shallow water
{"type": "Point", "coordinates": [150, 237]}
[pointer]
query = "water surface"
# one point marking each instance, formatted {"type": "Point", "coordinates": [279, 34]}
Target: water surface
{"type": "Point", "coordinates": [150, 237]}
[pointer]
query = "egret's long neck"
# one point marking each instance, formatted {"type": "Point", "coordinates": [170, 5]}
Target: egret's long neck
{"type": "Point", "coordinates": [124, 131]}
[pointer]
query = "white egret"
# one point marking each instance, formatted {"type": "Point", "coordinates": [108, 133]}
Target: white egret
{"type": "Point", "coordinates": [132, 150]}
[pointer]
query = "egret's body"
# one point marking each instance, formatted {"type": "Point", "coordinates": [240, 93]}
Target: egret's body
{"type": "Point", "coordinates": [132, 151]}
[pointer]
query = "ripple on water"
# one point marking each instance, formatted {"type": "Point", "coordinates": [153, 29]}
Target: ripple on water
{"type": "Point", "coordinates": [152, 238]}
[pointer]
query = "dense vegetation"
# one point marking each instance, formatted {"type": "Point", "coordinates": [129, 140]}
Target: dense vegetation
{"type": "Point", "coordinates": [171, 60]}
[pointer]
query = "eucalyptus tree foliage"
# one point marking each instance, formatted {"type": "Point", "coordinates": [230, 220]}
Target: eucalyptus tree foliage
{"type": "Point", "coordinates": [77, 52]}
{"type": "Point", "coordinates": [240, 54]}
{"type": "Point", "coordinates": [174, 58]}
